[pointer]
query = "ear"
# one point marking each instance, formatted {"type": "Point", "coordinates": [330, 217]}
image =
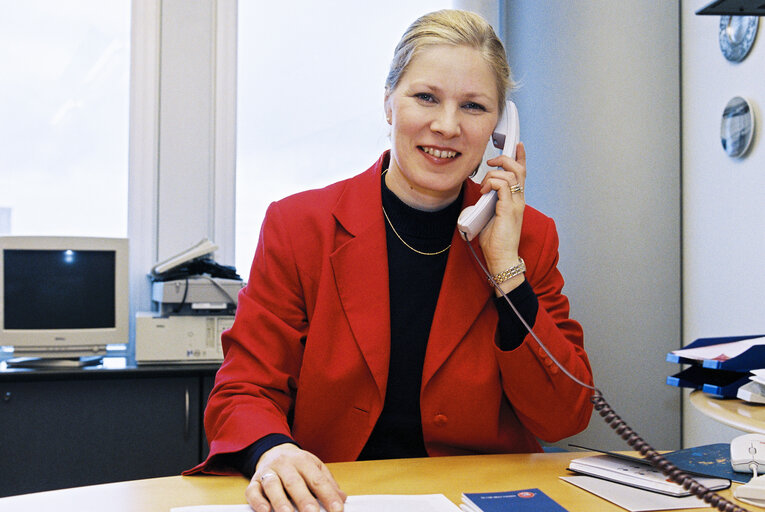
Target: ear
{"type": "Point", "coordinates": [388, 109]}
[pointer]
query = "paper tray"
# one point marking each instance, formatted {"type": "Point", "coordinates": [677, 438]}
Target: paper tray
{"type": "Point", "coordinates": [752, 358]}
{"type": "Point", "coordinates": [722, 383]}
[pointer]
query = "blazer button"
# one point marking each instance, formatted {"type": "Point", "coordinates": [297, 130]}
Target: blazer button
{"type": "Point", "coordinates": [440, 420]}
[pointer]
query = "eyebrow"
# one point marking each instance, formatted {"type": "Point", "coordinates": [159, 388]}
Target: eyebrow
{"type": "Point", "coordinates": [471, 95]}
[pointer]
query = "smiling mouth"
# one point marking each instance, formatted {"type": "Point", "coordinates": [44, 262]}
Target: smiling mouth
{"type": "Point", "coordinates": [438, 153]}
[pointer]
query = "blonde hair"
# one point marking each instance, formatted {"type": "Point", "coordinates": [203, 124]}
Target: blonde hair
{"type": "Point", "coordinates": [454, 27]}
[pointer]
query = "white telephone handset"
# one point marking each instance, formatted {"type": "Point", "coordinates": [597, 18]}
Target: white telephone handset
{"type": "Point", "coordinates": [505, 137]}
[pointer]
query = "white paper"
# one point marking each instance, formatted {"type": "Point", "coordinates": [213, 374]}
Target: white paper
{"type": "Point", "coordinates": [753, 391]}
{"type": "Point", "coordinates": [719, 352]}
{"type": "Point", "coordinates": [366, 503]}
{"type": "Point", "coordinates": [630, 498]}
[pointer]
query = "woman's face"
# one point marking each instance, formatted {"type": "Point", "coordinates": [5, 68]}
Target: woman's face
{"type": "Point", "coordinates": [442, 112]}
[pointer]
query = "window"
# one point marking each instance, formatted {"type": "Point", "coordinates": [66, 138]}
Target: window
{"type": "Point", "coordinates": [64, 117]}
{"type": "Point", "coordinates": [310, 98]}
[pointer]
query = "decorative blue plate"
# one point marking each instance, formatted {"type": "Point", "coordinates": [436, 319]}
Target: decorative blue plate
{"type": "Point", "coordinates": [737, 127]}
{"type": "Point", "coordinates": [737, 35]}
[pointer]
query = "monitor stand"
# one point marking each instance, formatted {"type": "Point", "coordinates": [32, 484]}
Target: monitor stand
{"type": "Point", "coordinates": [54, 362]}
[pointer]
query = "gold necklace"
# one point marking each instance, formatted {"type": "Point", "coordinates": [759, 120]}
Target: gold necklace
{"type": "Point", "coordinates": [404, 241]}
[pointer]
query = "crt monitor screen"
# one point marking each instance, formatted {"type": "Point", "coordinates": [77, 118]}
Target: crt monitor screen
{"type": "Point", "coordinates": [63, 297]}
{"type": "Point", "coordinates": [59, 289]}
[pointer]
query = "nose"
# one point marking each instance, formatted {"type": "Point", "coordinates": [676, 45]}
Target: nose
{"type": "Point", "coordinates": [446, 122]}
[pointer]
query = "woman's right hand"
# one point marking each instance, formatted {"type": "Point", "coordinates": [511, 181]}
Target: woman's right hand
{"type": "Point", "coordinates": [287, 474]}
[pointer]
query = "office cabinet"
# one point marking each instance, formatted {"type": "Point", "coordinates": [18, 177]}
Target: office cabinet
{"type": "Point", "coordinates": [207, 385]}
{"type": "Point", "coordinates": [83, 428]}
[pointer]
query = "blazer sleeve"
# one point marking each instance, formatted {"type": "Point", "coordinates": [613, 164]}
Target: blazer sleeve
{"type": "Point", "coordinates": [549, 403]}
{"type": "Point", "coordinates": [255, 386]}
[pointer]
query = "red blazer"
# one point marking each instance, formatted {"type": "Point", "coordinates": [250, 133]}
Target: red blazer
{"type": "Point", "coordinates": [308, 353]}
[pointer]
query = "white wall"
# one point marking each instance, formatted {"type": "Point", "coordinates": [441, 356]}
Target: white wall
{"type": "Point", "coordinates": [599, 111]}
{"type": "Point", "coordinates": [723, 207]}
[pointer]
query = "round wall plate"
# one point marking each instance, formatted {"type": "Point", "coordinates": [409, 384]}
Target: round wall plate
{"type": "Point", "coordinates": [737, 35]}
{"type": "Point", "coordinates": [737, 127]}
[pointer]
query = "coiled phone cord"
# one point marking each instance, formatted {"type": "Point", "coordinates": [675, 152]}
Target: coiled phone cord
{"type": "Point", "coordinates": [636, 442]}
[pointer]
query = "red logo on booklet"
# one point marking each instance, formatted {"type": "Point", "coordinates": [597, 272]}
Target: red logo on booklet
{"type": "Point", "coordinates": [526, 494]}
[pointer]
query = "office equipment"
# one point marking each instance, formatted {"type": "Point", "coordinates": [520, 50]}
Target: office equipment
{"type": "Point", "coordinates": [179, 338]}
{"type": "Point", "coordinates": [752, 392]}
{"type": "Point", "coordinates": [191, 282]}
{"type": "Point", "coordinates": [738, 353]}
{"type": "Point", "coordinates": [505, 137]}
{"type": "Point", "coordinates": [197, 295]}
{"type": "Point", "coordinates": [752, 492]}
{"type": "Point", "coordinates": [637, 473]}
{"type": "Point", "coordinates": [63, 298]}
{"type": "Point", "coordinates": [715, 382]}
{"type": "Point", "coordinates": [718, 366]}
{"type": "Point", "coordinates": [747, 453]}
{"type": "Point", "coordinates": [710, 460]}
{"type": "Point", "coordinates": [201, 249]}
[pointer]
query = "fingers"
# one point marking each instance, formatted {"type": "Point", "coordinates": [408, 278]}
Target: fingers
{"type": "Point", "coordinates": [500, 238]}
{"type": "Point", "coordinates": [265, 491]}
{"type": "Point", "coordinates": [256, 497]}
{"type": "Point", "coordinates": [296, 477]}
{"type": "Point", "coordinates": [512, 173]}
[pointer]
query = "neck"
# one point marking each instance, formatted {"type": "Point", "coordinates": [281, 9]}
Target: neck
{"type": "Point", "coordinates": [425, 200]}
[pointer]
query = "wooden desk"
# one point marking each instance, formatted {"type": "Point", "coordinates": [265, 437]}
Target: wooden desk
{"type": "Point", "coordinates": [733, 412]}
{"type": "Point", "coordinates": [446, 475]}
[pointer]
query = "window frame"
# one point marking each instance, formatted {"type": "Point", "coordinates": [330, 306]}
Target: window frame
{"type": "Point", "coordinates": [165, 170]}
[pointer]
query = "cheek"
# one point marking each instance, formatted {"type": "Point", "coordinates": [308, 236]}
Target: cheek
{"type": "Point", "coordinates": [483, 131]}
{"type": "Point", "coordinates": [408, 122]}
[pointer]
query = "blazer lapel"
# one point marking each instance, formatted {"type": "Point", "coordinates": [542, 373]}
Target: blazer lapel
{"type": "Point", "coordinates": [464, 293]}
{"type": "Point", "coordinates": [360, 266]}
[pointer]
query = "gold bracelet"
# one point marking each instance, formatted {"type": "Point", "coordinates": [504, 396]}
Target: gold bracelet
{"type": "Point", "coordinates": [513, 271]}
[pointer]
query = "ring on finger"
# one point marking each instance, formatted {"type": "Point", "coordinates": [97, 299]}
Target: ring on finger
{"type": "Point", "coordinates": [516, 188]}
{"type": "Point", "coordinates": [268, 475]}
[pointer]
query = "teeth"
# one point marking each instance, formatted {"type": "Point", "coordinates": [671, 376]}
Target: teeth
{"type": "Point", "coordinates": [439, 154]}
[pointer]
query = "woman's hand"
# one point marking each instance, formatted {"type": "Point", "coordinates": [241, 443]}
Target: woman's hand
{"type": "Point", "coordinates": [284, 473]}
{"type": "Point", "coordinates": [500, 238]}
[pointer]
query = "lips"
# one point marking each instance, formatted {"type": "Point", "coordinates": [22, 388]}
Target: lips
{"type": "Point", "coordinates": [445, 154]}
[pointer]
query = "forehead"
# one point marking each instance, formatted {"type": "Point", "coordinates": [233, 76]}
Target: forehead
{"type": "Point", "coordinates": [457, 69]}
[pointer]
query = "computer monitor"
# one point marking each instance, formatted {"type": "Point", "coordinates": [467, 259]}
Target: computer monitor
{"type": "Point", "coordinates": [63, 298]}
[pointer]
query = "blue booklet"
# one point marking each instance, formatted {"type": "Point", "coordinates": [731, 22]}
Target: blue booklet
{"type": "Point", "coordinates": [708, 460]}
{"type": "Point", "coordinates": [525, 500]}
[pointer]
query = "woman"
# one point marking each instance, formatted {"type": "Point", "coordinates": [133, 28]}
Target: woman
{"type": "Point", "coordinates": [367, 330]}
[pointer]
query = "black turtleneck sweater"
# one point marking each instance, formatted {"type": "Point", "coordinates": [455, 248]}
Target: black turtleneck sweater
{"type": "Point", "coordinates": [414, 283]}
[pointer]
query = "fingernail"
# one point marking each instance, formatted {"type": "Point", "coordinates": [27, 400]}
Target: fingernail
{"type": "Point", "coordinates": [336, 506]}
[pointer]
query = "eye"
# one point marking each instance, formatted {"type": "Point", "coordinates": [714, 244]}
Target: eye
{"type": "Point", "coordinates": [426, 97]}
{"type": "Point", "coordinates": [471, 105]}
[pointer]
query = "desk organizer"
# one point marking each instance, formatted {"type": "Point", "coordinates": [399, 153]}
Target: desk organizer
{"type": "Point", "coordinates": [719, 378]}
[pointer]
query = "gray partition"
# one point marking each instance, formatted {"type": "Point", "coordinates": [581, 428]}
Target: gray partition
{"type": "Point", "coordinates": [599, 107]}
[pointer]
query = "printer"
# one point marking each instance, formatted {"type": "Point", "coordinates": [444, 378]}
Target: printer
{"type": "Point", "coordinates": [195, 300]}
